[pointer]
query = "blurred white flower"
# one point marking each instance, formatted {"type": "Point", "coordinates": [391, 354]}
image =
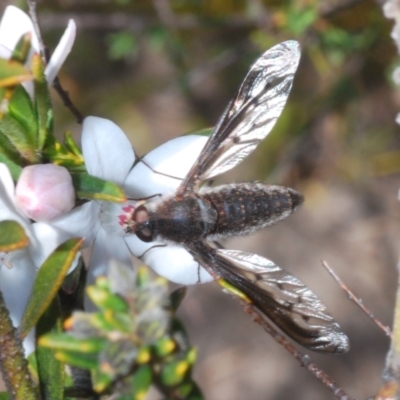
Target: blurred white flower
{"type": "Point", "coordinates": [108, 155]}
{"type": "Point", "coordinates": [18, 268]}
{"type": "Point", "coordinates": [15, 23]}
{"type": "Point", "coordinates": [44, 192]}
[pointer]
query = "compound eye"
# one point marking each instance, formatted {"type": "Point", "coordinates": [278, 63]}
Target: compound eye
{"type": "Point", "coordinates": [141, 217]}
{"type": "Point", "coordinates": [144, 235]}
{"type": "Point", "coordinates": [141, 214]}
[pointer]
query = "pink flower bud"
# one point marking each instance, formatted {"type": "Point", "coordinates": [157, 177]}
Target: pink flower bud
{"type": "Point", "coordinates": [44, 192]}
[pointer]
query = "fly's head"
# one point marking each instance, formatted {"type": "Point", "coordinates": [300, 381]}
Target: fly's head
{"type": "Point", "coordinates": [141, 224]}
{"type": "Point", "coordinates": [130, 218]}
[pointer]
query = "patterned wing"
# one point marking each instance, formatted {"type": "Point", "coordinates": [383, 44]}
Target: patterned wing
{"type": "Point", "coordinates": [279, 295]}
{"type": "Point", "coordinates": [250, 116]}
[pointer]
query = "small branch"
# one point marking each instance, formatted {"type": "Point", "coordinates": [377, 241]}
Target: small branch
{"type": "Point", "coordinates": [357, 300]}
{"type": "Point", "coordinates": [64, 95]}
{"type": "Point", "coordinates": [13, 365]}
{"type": "Point", "coordinates": [303, 359]}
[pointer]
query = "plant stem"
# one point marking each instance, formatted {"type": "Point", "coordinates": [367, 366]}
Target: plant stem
{"type": "Point", "coordinates": [13, 364]}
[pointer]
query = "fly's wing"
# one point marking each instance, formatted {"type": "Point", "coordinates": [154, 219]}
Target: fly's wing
{"type": "Point", "coordinates": [279, 295]}
{"type": "Point", "coordinates": [250, 116]}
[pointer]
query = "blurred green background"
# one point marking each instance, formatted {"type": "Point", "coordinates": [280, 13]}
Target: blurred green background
{"type": "Point", "coordinates": [162, 68]}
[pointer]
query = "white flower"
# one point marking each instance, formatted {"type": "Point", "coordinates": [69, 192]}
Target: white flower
{"type": "Point", "coordinates": [16, 23]}
{"type": "Point", "coordinates": [18, 268]}
{"type": "Point", "coordinates": [108, 155]}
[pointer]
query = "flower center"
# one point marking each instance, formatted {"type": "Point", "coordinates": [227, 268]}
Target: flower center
{"type": "Point", "coordinates": [115, 217]}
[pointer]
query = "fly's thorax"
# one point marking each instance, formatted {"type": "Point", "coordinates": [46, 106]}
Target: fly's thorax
{"type": "Point", "coordinates": [176, 219]}
{"type": "Point", "coordinates": [244, 208]}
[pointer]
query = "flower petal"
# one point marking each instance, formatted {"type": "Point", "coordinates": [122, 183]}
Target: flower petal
{"type": "Point", "coordinates": [48, 239]}
{"type": "Point", "coordinates": [170, 261]}
{"type": "Point", "coordinates": [105, 248]}
{"type": "Point", "coordinates": [82, 221]}
{"type": "Point", "coordinates": [17, 274]}
{"type": "Point", "coordinates": [7, 206]}
{"type": "Point", "coordinates": [107, 151]}
{"type": "Point", "coordinates": [173, 158]}
{"type": "Point", "coordinates": [13, 25]}
{"type": "Point", "coordinates": [61, 52]}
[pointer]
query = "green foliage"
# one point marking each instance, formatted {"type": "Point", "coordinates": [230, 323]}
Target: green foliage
{"type": "Point", "coordinates": [42, 103]}
{"type": "Point", "coordinates": [50, 370]}
{"type": "Point", "coordinates": [121, 45]}
{"type": "Point", "coordinates": [12, 236]}
{"type": "Point", "coordinates": [48, 281]}
{"type": "Point", "coordinates": [12, 73]}
{"type": "Point", "coordinates": [131, 339]}
{"type": "Point", "coordinates": [90, 187]}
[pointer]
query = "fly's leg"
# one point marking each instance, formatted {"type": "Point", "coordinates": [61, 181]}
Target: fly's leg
{"type": "Point", "coordinates": [158, 172]}
{"type": "Point", "coordinates": [151, 248]}
{"type": "Point", "coordinates": [145, 198]}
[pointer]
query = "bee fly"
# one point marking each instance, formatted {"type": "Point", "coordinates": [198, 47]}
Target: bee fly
{"type": "Point", "coordinates": [195, 217]}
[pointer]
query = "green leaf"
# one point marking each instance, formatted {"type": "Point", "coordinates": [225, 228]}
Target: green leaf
{"type": "Point", "coordinates": [15, 168]}
{"type": "Point", "coordinates": [21, 51]}
{"type": "Point", "coordinates": [174, 373]}
{"type": "Point", "coordinates": [4, 396]}
{"type": "Point", "coordinates": [71, 145]}
{"type": "Point", "coordinates": [12, 236]}
{"type": "Point", "coordinates": [49, 279]}
{"type": "Point", "coordinates": [67, 342]}
{"type": "Point", "coordinates": [12, 73]}
{"type": "Point", "coordinates": [43, 107]}
{"type": "Point", "coordinates": [20, 108]}
{"type": "Point", "coordinates": [104, 299]}
{"type": "Point", "coordinates": [164, 346]}
{"type": "Point", "coordinates": [101, 380]}
{"type": "Point", "coordinates": [16, 141]}
{"type": "Point", "coordinates": [51, 371]}
{"type": "Point", "coordinates": [80, 360]}
{"type": "Point", "coordinates": [60, 154]}
{"type": "Point", "coordinates": [92, 188]}
{"type": "Point", "coordinates": [141, 382]}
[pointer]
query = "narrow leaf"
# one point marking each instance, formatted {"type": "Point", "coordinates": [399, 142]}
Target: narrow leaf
{"type": "Point", "coordinates": [71, 145]}
{"type": "Point", "coordinates": [80, 360]}
{"type": "Point", "coordinates": [67, 342]}
{"type": "Point", "coordinates": [12, 236]}
{"type": "Point", "coordinates": [141, 382]}
{"type": "Point", "coordinates": [51, 371]}
{"type": "Point", "coordinates": [12, 73]}
{"type": "Point", "coordinates": [49, 279]}
{"type": "Point", "coordinates": [21, 51]}
{"type": "Point", "coordinates": [20, 107]}
{"type": "Point", "coordinates": [13, 132]}
{"type": "Point", "coordinates": [13, 165]}
{"type": "Point", "coordinates": [42, 102]}
{"type": "Point", "coordinates": [90, 187]}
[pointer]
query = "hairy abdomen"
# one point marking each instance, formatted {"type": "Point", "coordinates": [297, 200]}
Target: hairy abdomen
{"type": "Point", "coordinates": [248, 207]}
